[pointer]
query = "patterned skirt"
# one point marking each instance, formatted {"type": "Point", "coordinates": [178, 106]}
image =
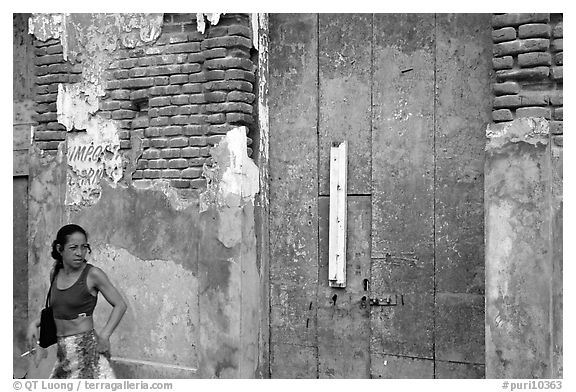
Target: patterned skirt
{"type": "Point", "coordinates": [77, 357]}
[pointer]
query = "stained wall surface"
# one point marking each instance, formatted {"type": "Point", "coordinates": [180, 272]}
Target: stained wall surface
{"type": "Point", "coordinates": [141, 137]}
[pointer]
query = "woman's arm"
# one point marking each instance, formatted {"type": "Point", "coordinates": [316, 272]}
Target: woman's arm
{"type": "Point", "coordinates": [112, 295]}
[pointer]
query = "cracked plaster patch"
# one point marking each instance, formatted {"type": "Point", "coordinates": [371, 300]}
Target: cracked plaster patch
{"type": "Point", "coordinates": [529, 130]}
{"type": "Point", "coordinates": [213, 18]}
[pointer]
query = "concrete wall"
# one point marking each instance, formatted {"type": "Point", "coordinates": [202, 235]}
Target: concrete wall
{"type": "Point", "coordinates": [141, 138]}
{"type": "Point", "coordinates": [523, 237]}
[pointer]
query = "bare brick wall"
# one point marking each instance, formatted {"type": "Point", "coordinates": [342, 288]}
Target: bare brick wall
{"type": "Point", "coordinates": [527, 61]}
{"type": "Point", "coordinates": [178, 95]}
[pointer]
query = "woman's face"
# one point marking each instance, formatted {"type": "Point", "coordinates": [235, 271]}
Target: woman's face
{"type": "Point", "coordinates": [74, 250]}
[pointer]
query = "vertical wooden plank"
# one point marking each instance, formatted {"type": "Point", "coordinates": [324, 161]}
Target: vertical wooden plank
{"type": "Point", "coordinates": [345, 95]}
{"type": "Point", "coordinates": [402, 184]}
{"type": "Point", "coordinates": [293, 69]}
{"type": "Point", "coordinates": [463, 109]}
{"type": "Point", "coordinates": [343, 323]}
{"type": "Point", "coordinates": [390, 366]}
{"type": "Point", "coordinates": [458, 370]}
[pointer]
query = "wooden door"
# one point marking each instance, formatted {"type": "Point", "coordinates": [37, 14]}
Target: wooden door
{"type": "Point", "coordinates": [411, 95]}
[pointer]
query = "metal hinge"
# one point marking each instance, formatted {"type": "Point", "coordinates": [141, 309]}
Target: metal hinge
{"type": "Point", "coordinates": [384, 300]}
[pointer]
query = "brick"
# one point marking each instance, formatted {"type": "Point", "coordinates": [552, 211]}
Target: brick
{"type": "Point", "coordinates": [558, 141]}
{"type": "Point", "coordinates": [217, 31]}
{"type": "Point", "coordinates": [170, 69]}
{"type": "Point", "coordinates": [534, 30]}
{"type": "Point", "coordinates": [187, 47]}
{"type": "Point", "coordinates": [218, 118]}
{"type": "Point", "coordinates": [556, 98]}
{"type": "Point", "coordinates": [559, 58]}
{"type": "Point", "coordinates": [159, 121]}
{"type": "Point", "coordinates": [192, 172]}
{"type": "Point", "coordinates": [142, 164]}
{"type": "Point", "coordinates": [534, 59]}
{"type": "Point", "coordinates": [243, 31]}
{"type": "Point", "coordinates": [226, 42]}
{"type": "Point", "coordinates": [138, 174]}
{"type": "Point", "coordinates": [195, 58]}
{"type": "Point", "coordinates": [506, 88]}
{"type": "Point", "coordinates": [151, 153]}
{"type": "Point", "coordinates": [48, 42]}
{"type": "Point", "coordinates": [190, 88]}
{"type": "Point", "coordinates": [198, 141]}
{"type": "Point", "coordinates": [229, 107]}
{"type": "Point", "coordinates": [124, 135]}
{"type": "Point", "coordinates": [536, 73]}
{"type": "Point", "coordinates": [197, 119]}
{"type": "Point", "coordinates": [48, 145]}
{"type": "Point", "coordinates": [157, 91]}
{"type": "Point", "coordinates": [215, 53]}
{"type": "Point", "coordinates": [171, 173]}
{"type": "Point", "coordinates": [229, 85]}
{"type": "Point", "coordinates": [506, 62]}
{"type": "Point", "coordinates": [557, 45]}
{"type": "Point", "coordinates": [179, 120]}
{"type": "Point", "coordinates": [122, 114]}
{"type": "Point", "coordinates": [178, 79]}
{"type": "Point", "coordinates": [47, 89]}
{"type": "Point", "coordinates": [197, 77]}
{"type": "Point", "coordinates": [240, 74]}
{"type": "Point", "coordinates": [198, 183]}
{"type": "Point", "coordinates": [161, 80]}
{"type": "Point", "coordinates": [120, 94]}
{"type": "Point", "coordinates": [214, 139]}
{"type": "Point", "coordinates": [241, 53]}
{"type": "Point", "coordinates": [504, 20]}
{"type": "Point", "coordinates": [140, 82]}
{"type": "Point", "coordinates": [179, 99]}
{"type": "Point", "coordinates": [195, 35]}
{"type": "Point", "coordinates": [166, 111]}
{"type": "Point", "coordinates": [205, 151]}
{"type": "Point", "coordinates": [125, 144]}
{"type": "Point", "coordinates": [172, 130]}
{"type": "Point", "coordinates": [192, 130]}
{"type": "Point", "coordinates": [180, 184]}
{"type": "Point", "coordinates": [140, 122]}
{"type": "Point", "coordinates": [151, 173]}
{"type": "Point", "coordinates": [49, 59]}
{"type": "Point", "coordinates": [502, 115]}
{"type": "Point", "coordinates": [239, 118]}
{"type": "Point", "coordinates": [199, 162]}
{"type": "Point", "coordinates": [138, 133]}
{"type": "Point", "coordinates": [128, 63]}
{"type": "Point", "coordinates": [214, 75]}
{"type": "Point", "coordinates": [54, 126]}
{"type": "Point", "coordinates": [45, 117]}
{"type": "Point", "coordinates": [170, 153]}
{"type": "Point", "coordinates": [50, 79]}
{"type": "Point", "coordinates": [158, 164]}
{"type": "Point", "coordinates": [159, 101]}
{"type": "Point", "coordinates": [558, 114]}
{"type": "Point", "coordinates": [159, 142]}
{"type": "Point", "coordinates": [153, 112]}
{"type": "Point", "coordinates": [198, 98]}
{"type": "Point", "coordinates": [505, 34]}
{"type": "Point", "coordinates": [181, 37]}
{"type": "Point", "coordinates": [146, 61]}
{"type": "Point", "coordinates": [173, 89]}
{"type": "Point", "coordinates": [178, 142]}
{"type": "Point", "coordinates": [556, 127]}
{"type": "Point", "coordinates": [121, 74]}
{"type": "Point", "coordinates": [241, 96]}
{"type": "Point", "coordinates": [558, 30]}
{"type": "Point", "coordinates": [229, 62]}
{"type": "Point", "coordinates": [533, 112]}
{"type": "Point", "coordinates": [190, 152]}
{"type": "Point", "coordinates": [534, 98]}
{"type": "Point", "coordinates": [153, 51]}
{"type": "Point", "coordinates": [521, 46]}
{"type": "Point", "coordinates": [190, 109]}
{"type": "Point", "coordinates": [191, 68]}
{"type": "Point", "coordinates": [49, 135]}
{"type": "Point", "coordinates": [105, 114]}
{"type": "Point", "coordinates": [52, 69]}
{"type": "Point", "coordinates": [218, 129]}
{"type": "Point", "coordinates": [137, 72]}
{"type": "Point", "coordinates": [557, 72]}
{"type": "Point", "coordinates": [179, 163]}
{"type": "Point", "coordinates": [47, 107]}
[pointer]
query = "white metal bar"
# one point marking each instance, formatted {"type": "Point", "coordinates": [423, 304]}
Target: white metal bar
{"type": "Point", "coordinates": [338, 209]}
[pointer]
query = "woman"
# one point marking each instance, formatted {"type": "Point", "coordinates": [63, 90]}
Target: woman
{"type": "Point", "coordinates": [81, 352]}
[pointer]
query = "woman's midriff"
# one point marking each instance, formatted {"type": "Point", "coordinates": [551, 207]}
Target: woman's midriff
{"type": "Point", "coordinates": [72, 327]}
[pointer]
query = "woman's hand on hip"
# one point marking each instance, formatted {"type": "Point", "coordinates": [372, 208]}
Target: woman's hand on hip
{"type": "Point", "coordinates": [103, 345]}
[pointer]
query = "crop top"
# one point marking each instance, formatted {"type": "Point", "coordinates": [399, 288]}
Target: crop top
{"type": "Point", "coordinates": [73, 301]}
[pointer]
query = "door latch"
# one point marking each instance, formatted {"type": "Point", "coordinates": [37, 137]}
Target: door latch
{"type": "Point", "coordinates": [384, 300]}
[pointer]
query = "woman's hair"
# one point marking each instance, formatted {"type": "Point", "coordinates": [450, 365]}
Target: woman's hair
{"type": "Point", "coordinates": [61, 239]}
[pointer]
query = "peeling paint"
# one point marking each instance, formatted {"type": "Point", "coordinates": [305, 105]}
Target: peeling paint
{"type": "Point", "coordinates": [528, 130]}
{"type": "Point", "coordinates": [171, 194]}
{"type": "Point", "coordinates": [46, 26]}
{"type": "Point", "coordinates": [213, 18]}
